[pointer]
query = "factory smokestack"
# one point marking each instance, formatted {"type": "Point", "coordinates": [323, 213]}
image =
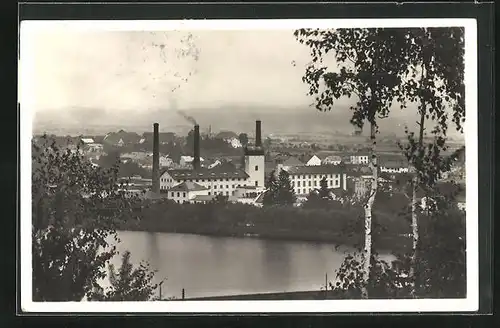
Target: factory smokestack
{"type": "Point", "coordinates": [196, 142]}
{"type": "Point", "coordinates": [156, 159]}
{"type": "Point", "coordinates": [258, 134]}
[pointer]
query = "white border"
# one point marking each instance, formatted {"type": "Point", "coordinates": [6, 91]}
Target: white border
{"type": "Point", "coordinates": [471, 303]}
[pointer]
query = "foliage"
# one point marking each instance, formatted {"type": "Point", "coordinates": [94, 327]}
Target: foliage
{"type": "Point", "coordinates": [243, 138]}
{"type": "Point", "coordinates": [271, 190]}
{"type": "Point", "coordinates": [127, 283]}
{"type": "Point", "coordinates": [285, 194]}
{"type": "Point", "coordinates": [75, 211]}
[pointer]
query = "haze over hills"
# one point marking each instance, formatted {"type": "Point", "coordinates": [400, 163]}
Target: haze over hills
{"type": "Point", "coordinates": [79, 120]}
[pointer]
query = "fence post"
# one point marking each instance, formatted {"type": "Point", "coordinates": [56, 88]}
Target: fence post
{"type": "Point", "coordinates": [183, 293]}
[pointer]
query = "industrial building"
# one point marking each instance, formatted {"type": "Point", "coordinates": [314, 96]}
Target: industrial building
{"type": "Point", "coordinates": [201, 184]}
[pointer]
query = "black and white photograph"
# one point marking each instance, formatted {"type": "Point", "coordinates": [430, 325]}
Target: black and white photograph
{"type": "Point", "coordinates": [249, 166]}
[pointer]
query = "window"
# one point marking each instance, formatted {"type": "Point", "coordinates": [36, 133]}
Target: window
{"type": "Point", "coordinates": [172, 194]}
{"type": "Point", "coordinates": [227, 186]}
{"type": "Point", "coordinates": [209, 193]}
{"type": "Point", "coordinates": [183, 194]}
{"type": "Point", "coordinates": [303, 191]}
{"type": "Point", "coordinates": [215, 186]}
{"type": "Point", "coordinates": [315, 183]}
{"type": "Point", "coordinates": [178, 194]}
{"type": "Point", "coordinates": [256, 183]}
{"type": "Point", "coordinates": [309, 183]}
{"type": "Point", "coordinates": [330, 183]}
{"type": "Point", "coordinates": [227, 193]}
{"type": "Point", "coordinates": [292, 184]}
{"type": "Point", "coordinates": [298, 183]}
{"type": "Point", "coordinates": [256, 167]}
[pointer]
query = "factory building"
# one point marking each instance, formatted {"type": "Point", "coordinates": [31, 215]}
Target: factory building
{"type": "Point", "coordinates": [196, 183]}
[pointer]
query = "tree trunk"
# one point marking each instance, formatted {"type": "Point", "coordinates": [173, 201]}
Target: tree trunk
{"type": "Point", "coordinates": [416, 182]}
{"type": "Point", "coordinates": [368, 210]}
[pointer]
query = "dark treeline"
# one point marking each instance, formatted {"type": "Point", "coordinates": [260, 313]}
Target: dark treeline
{"type": "Point", "coordinates": [332, 224]}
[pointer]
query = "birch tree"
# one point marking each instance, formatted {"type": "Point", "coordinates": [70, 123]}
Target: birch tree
{"type": "Point", "coordinates": [369, 68]}
{"type": "Point", "coordinates": [434, 79]}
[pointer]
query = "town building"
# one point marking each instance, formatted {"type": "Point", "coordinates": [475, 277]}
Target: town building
{"type": "Point", "coordinates": [314, 161]}
{"type": "Point", "coordinates": [305, 179]}
{"type": "Point", "coordinates": [332, 160]}
{"type": "Point", "coordinates": [394, 167]}
{"type": "Point", "coordinates": [359, 158]}
{"type": "Point", "coordinates": [241, 184]}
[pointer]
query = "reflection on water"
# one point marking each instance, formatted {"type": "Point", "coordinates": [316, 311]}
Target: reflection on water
{"type": "Point", "coordinates": [210, 266]}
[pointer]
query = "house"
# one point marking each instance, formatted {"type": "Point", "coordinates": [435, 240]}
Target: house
{"type": "Point", "coordinates": [188, 160]}
{"type": "Point", "coordinates": [394, 167]}
{"type": "Point", "coordinates": [87, 141]}
{"type": "Point", "coordinates": [287, 164]}
{"type": "Point", "coordinates": [234, 142]}
{"type": "Point", "coordinates": [166, 161]}
{"type": "Point", "coordinates": [304, 179]}
{"type": "Point", "coordinates": [186, 191]}
{"type": "Point", "coordinates": [332, 160]}
{"type": "Point", "coordinates": [314, 161]}
{"type": "Point", "coordinates": [359, 158]}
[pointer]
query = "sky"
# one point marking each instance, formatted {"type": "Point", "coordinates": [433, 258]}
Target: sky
{"type": "Point", "coordinates": [128, 70]}
{"type": "Point", "coordinates": [95, 77]}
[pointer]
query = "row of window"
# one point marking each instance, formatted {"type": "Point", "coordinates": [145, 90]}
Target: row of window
{"type": "Point", "coordinates": [184, 194]}
{"type": "Point", "coordinates": [203, 180]}
{"type": "Point", "coordinates": [315, 183]}
{"type": "Point", "coordinates": [315, 176]}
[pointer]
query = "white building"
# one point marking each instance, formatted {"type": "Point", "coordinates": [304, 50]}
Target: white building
{"type": "Point", "coordinates": [223, 179]}
{"type": "Point", "coordinates": [314, 161]}
{"type": "Point", "coordinates": [188, 160]}
{"type": "Point", "coordinates": [332, 160]}
{"type": "Point", "coordinates": [359, 158]}
{"type": "Point", "coordinates": [186, 191]}
{"type": "Point", "coordinates": [394, 167]}
{"type": "Point", "coordinates": [166, 161]}
{"type": "Point", "coordinates": [234, 142]}
{"type": "Point", "coordinates": [305, 179]}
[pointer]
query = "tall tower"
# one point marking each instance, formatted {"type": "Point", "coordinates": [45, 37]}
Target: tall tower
{"type": "Point", "coordinates": [254, 159]}
{"type": "Point", "coordinates": [155, 179]}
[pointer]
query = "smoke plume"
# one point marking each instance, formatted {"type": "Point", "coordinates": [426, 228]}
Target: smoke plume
{"type": "Point", "coordinates": [190, 119]}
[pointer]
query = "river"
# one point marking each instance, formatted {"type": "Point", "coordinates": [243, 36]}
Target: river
{"type": "Point", "coordinates": [216, 266]}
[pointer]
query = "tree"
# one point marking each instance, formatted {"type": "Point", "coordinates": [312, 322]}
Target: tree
{"type": "Point", "coordinates": [271, 190]}
{"type": "Point", "coordinates": [243, 138]}
{"type": "Point", "coordinates": [75, 211]}
{"type": "Point", "coordinates": [324, 192]}
{"type": "Point", "coordinates": [435, 80]}
{"type": "Point", "coordinates": [127, 283]}
{"type": "Point", "coordinates": [370, 68]}
{"type": "Point", "coordinates": [285, 194]}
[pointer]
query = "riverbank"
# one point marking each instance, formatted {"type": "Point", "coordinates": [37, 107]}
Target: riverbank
{"type": "Point", "coordinates": [314, 295]}
{"type": "Point", "coordinates": [339, 226]}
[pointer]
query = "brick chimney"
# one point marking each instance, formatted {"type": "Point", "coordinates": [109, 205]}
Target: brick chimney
{"type": "Point", "coordinates": [196, 152]}
{"type": "Point", "coordinates": [258, 134]}
{"type": "Point", "coordinates": [156, 159]}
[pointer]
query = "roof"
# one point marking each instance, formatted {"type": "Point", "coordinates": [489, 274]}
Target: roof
{"type": "Point", "coordinates": [203, 173]}
{"type": "Point", "coordinates": [333, 158]}
{"type": "Point", "coordinates": [203, 198]}
{"type": "Point", "coordinates": [292, 161]}
{"type": "Point", "coordinates": [319, 169]}
{"type": "Point", "coordinates": [188, 186]}
{"type": "Point", "coordinates": [314, 156]}
{"type": "Point", "coordinates": [393, 164]}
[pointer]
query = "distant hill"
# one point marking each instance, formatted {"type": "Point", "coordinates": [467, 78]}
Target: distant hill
{"type": "Point", "coordinates": [80, 120]}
